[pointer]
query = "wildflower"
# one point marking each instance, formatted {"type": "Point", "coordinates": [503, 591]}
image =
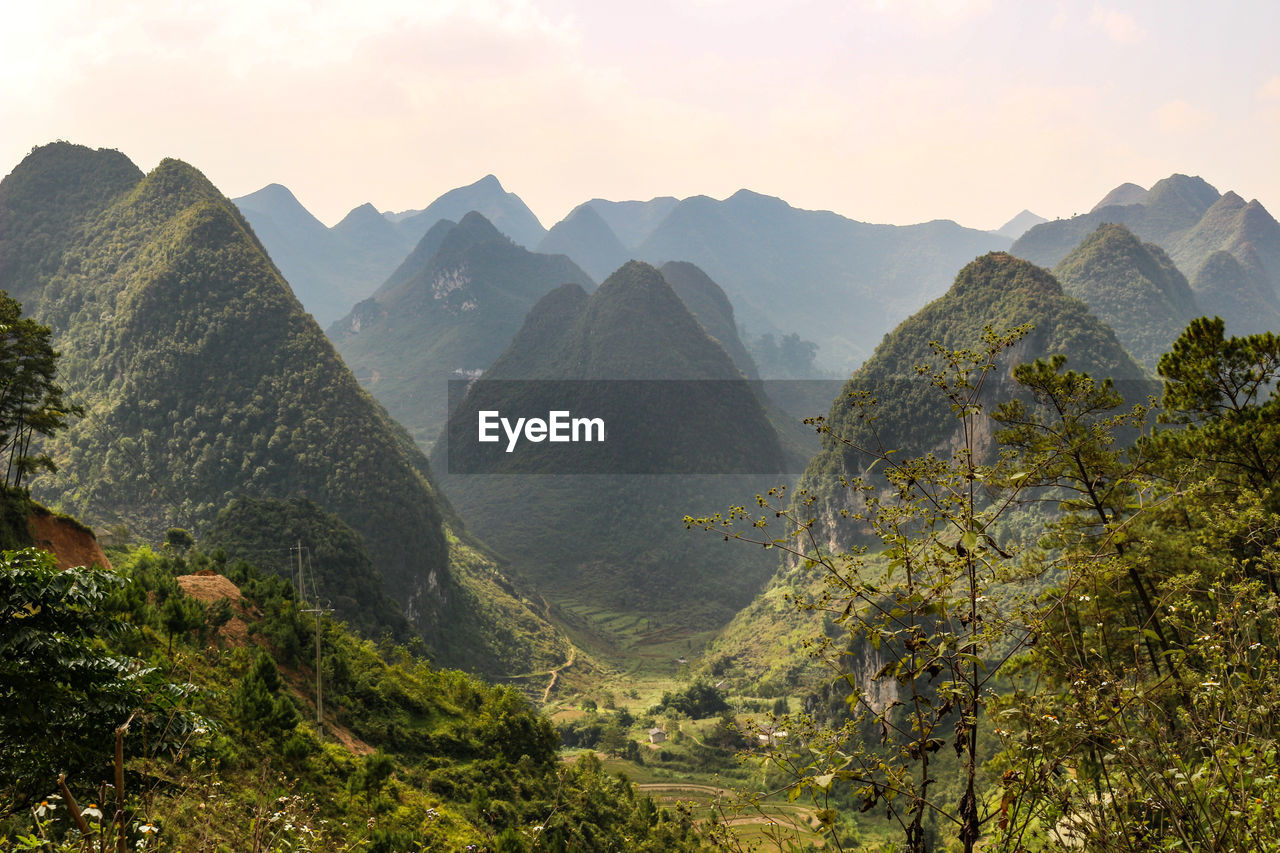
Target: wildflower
{"type": "Point", "coordinates": [45, 807]}
{"type": "Point", "coordinates": [93, 812]}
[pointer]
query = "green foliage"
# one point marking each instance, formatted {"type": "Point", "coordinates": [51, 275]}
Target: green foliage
{"type": "Point", "coordinates": [181, 614]}
{"type": "Point", "coordinates": [1131, 286]}
{"type": "Point", "coordinates": [448, 760]}
{"type": "Point", "coordinates": [63, 688]}
{"type": "Point", "coordinates": [1141, 715]}
{"type": "Point", "coordinates": [44, 204]}
{"type": "Point", "coordinates": [337, 563]}
{"type": "Point", "coordinates": [258, 702]}
{"type": "Point", "coordinates": [31, 402]}
{"type": "Point", "coordinates": [699, 699]}
{"type": "Point", "coordinates": [1104, 674]}
{"type": "Point", "coordinates": [1223, 390]}
{"type": "Point", "coordinates": [996, 291]}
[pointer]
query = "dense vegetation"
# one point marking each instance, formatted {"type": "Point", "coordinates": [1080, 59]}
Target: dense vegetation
{"type": "Point", "coordinates": [46, 203]}
{"type": "Point", "coordinates": [216, 751]}
{"type": "Point", "coordinates": [996, 290]}
{"type": "Point", "coordinates": [336, 565]}
{"type": "Point", "coordinates": [1131, 286]}
{"type": "Point", "coordinates": [1071, 644]}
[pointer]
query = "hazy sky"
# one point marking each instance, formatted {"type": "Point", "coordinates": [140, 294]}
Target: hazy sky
{"type": "Point", "coordinates": [883, 110]}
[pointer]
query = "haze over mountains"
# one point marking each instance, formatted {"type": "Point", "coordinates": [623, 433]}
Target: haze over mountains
{"type": "Point", "coordinates": [1227, 248]}
{"type": "Point", "coordinates": [447, 312]}
{"type": "Point", "coordinates": [207, 381]}
{"type": "Point", "coordinates": [773, 260]}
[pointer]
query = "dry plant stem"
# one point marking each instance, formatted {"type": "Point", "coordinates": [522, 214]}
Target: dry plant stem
{"type": "Point", "coordinates": [72, 806]}
{"type": "Point", "coordinates": [121, 841]}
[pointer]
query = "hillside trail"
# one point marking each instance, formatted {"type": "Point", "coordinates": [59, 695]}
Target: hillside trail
{"type": "Point", "coordinates": [555, 673]}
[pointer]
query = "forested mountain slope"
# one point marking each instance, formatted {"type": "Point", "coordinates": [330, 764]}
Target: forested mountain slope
{"type": "Point", "coordinates": [445, 315]}
{"type": "Point", "coordinates": [204, 380]}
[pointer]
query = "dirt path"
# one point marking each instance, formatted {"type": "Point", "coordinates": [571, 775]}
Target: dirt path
{"type": "Point", "coordinates": [555, 673]}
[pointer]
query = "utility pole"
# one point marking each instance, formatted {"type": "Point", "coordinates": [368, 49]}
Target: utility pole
{"type": "Point", "coordinates": [317, 610]}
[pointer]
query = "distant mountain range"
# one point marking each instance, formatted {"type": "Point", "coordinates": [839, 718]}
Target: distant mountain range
{"type": "Point", "coordinates": [487, 197]}
{"type": "Point", "coordinates": [1227, 248]}
{"type": "Point", "coordinates": [450, 309]}
{"type": "Point", "coordinates": [329, 269]}
{"type": "Point", "coordinates": [837, 282]}
{"type": "Point", "coordinates": [832, 280]}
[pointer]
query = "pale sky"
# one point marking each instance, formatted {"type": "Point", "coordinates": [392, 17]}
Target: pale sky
{"type": "Point", "coordinates": [894, 111]}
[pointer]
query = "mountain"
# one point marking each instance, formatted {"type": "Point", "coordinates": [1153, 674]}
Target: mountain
{"type": "Point", "coordinates": [1131, 286]}
{"type": "Point", "coordinates": [1019, 225]}
{"type": "Point", "coordinates": [996, 290]}
{"type": "Point", "coordinates": [329, 269]}
{"type": "Point", "coordinates": [1237, 295]}
{"type": "Point", "coordinates": [46, 202]}
{"type": "Point", "coordinates": [839, 282]}
{"type": "Point", "coordinates": [584, 236]}
{"type": "Point", "coordinates": [633, 221]}
{"type": "Point", "coordinates": [1251, 236]}
{"type": "Point", "coordinates": [338, 568]}
{"type": "Point", "coordinates": [616, 540]}
{"type": "Point", "coordinates": [445, 314]}
{"type": "Point", "coordinates": [1157, 216]}
{"type": "Point", "coordinates": [204, 380]}
{"type": "Point", "coordinates": [707, 301]}
{"type": "Point", "coordinates": [1191, 221]}
{"type": "Point", "coordinates": [486, 196]}
{"type": "Point", "coordinates": [1126, 193]}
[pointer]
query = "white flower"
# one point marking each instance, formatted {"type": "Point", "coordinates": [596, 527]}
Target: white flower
{"type": "Point", "coordinates": [93, 812]}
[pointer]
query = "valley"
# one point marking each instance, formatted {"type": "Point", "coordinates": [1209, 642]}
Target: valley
{"type": "Point", "coordinates": [748, 610]}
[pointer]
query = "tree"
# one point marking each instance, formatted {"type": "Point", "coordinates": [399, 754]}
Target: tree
{"type": "Point", "coordinates": [62, 694]}
{"type": "Point", "coordinates": [259, 701]}
{"type": "Point", "coordinates": [1222, 392]}
{"type": "Point", "coordinates": [925, 626]}
{"type": "Point", "coordinates": [180, 614]}
{"type": "Point", "coordinates": [31, 401]}
{"type": "Point", "coordinates": [1144, 715]}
